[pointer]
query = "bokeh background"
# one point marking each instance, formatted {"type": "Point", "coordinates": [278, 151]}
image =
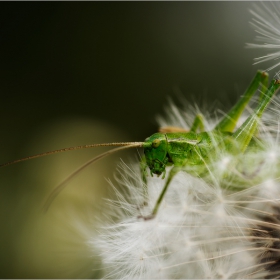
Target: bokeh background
{"type": "Point", "coordinates": [80, 73]}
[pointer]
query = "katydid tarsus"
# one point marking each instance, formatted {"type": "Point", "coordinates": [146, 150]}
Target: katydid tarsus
{"type": "Point", "coordinates": [188, 151]}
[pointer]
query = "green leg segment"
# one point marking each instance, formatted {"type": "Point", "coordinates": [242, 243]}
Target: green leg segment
{"type": "Point", "coordinates": [143, 167]}
{"type": "Point", "coordinates": [244, 133]}
{"type": "Point", "coordinates": [228, 123]}
{"type": "Point", "coordinates": [172, 173]}
{"type": "Point", "coordinates": [264, 87]}
{"type": "Point", "coordinates": [198, 123]}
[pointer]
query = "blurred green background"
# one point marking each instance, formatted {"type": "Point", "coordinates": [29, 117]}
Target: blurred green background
{"type": "Point", "coordinates": [80, 73]}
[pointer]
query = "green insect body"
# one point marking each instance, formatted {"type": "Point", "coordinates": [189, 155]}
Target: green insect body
{"type": "Point", "coordinates": [180, 149]}
{"type": "Point", "coordinates": [191, 151]}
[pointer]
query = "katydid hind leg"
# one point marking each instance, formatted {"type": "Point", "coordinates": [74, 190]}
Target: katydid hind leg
{"type": "Point", "coordinates": [264, 87]}
{"type": "Point", "coordinates": [247, 130]}
{"type": "Point", "coordinates": [198, 123]}
{"type": "Point", "coordinates": [228, 123]}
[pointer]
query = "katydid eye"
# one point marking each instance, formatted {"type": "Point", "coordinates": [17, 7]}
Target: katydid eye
{"type": "Point", "coordinates": [156, 143]}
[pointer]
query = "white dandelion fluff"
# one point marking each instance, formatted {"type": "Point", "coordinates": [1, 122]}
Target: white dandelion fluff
{"type": "Point", "coordinates": [266, 22]}
{"type": "Point", "coordinates": [203, 229]}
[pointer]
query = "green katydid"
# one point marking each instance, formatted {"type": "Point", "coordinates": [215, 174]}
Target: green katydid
{"type": "Point", "coordinates": [188, 151]}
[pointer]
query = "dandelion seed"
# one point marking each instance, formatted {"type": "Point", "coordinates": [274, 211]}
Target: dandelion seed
{"type": "Point", "coordinates": [266, 22]}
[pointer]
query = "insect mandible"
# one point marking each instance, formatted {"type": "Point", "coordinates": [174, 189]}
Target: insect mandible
{"type": "Point", "coordinates": [188, 151]}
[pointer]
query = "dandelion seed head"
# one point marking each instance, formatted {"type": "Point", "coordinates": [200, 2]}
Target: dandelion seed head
{"type": "Point", "coordinates": [179, 243]}
{"type": "Point", "coordinates": [203, 229]}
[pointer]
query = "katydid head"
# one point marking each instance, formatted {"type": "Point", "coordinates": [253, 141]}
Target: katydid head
{"type": "Point", "coordinates": [155, 150]}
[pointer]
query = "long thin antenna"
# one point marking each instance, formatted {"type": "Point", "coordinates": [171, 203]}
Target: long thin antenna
{"type": "Point", "coordinates": [135, 144]}
{"type": "Point", "coordinates": [62, 185]}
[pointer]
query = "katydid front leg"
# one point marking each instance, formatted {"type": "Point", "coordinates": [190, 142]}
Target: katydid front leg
{"type": "Point", "coordinates": [172, 173]}
{"type": "Point", "coordinates": [143, 170]}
